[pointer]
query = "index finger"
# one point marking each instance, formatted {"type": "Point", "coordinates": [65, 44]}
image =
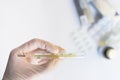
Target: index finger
{"type": "Point", "coordinates": [38, 44]}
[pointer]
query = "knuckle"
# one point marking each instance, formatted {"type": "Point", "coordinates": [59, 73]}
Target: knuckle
{"type": "Point", "coordinates": [35, 40]}
{"type": "Point", "coordinates": [13, 52]}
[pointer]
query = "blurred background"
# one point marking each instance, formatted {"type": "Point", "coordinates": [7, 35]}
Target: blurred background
{"type": "Point", "coordinates": [55, 21]}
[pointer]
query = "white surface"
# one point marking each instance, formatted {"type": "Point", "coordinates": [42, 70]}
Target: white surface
{"type": "Point", "coordinates": [52, 20]}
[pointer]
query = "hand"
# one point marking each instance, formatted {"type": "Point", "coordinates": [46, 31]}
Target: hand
{"type": "Point", "coordinates": [23, 68]}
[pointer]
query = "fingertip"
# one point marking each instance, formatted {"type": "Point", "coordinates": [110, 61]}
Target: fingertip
{"type": "Point", "coordinates": [61, 50]}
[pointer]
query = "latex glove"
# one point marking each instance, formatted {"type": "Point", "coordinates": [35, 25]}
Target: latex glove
{"type": "Point", "coordinates": [23, 68]}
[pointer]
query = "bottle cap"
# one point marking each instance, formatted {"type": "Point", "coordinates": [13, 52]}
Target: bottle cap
{"type": "Point", "coordinates": [110, 53]}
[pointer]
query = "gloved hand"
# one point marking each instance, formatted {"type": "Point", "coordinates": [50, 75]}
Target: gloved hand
{"type": "Point", "coordinates": [23, 68]}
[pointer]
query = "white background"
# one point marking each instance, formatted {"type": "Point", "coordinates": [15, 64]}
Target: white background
{"type": "Point", "coordinates": [52, 20]}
